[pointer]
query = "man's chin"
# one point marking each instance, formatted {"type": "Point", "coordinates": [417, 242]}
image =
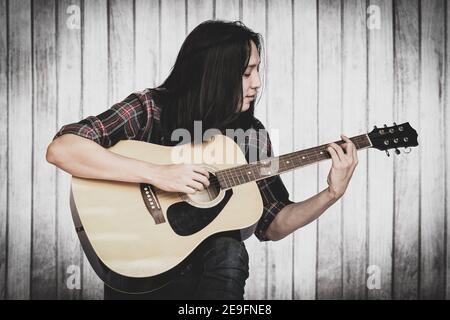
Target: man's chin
{"type": "Point", "coordinates": [245, 107]}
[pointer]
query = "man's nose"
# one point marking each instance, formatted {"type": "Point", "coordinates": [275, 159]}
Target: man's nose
{"type": "Point", "coordinates": [256, 83]}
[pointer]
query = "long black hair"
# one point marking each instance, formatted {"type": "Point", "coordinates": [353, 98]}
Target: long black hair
{"type": "Point", "coordinates": [205, 83]}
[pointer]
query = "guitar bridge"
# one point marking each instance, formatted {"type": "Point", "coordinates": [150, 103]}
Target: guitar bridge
{"type": "Point", "coordinates": [151, 202]}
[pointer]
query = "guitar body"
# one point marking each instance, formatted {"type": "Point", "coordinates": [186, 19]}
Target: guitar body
{"type": "Point", "coordinates": [136, 237]}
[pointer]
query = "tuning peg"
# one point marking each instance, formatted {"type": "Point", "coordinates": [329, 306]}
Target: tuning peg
{"type": "Point", "coordinates": [397, 151]}
{"type": "Point", "coordinates": [395, 124]}
{"type": "Point", "coordinates": [387, 152]}
{"type": "Point", "coordinates": [375, 127]}
{"type": "Point", "coordinates": [409, 150]}
{"type": "Point", "coordinates": [385, 126]}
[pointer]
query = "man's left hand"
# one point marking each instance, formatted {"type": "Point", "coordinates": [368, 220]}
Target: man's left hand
{"type": "Point", "coordinates": [344, 162]}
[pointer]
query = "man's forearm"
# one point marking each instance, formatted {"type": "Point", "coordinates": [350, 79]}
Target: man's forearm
{"type": "Point", "coordinates": [297, 215]}
{"type": "Point", "coordinates": [86, 159]}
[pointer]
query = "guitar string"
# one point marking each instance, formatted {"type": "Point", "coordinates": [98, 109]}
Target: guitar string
{"type": "Point", "coordinates": [237, 172]}
{"type": "Point", "coordinates": [293, 156]}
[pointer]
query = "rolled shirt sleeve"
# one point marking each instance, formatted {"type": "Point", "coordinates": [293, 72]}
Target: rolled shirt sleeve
{"type": "Point", "coordinates": [128, 119]}
{"type": "Point", "coordinates": [273, 191]}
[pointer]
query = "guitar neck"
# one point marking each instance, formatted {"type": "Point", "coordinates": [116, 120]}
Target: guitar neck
{"type": "Point", "coordinates": [229, 178]}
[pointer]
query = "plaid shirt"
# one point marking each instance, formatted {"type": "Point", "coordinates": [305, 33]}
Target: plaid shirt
{"type": "Point", "coordinates": [137, 117]}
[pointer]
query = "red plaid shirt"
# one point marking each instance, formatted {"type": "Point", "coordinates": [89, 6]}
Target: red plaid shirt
{"type": "Point", "coordinates": [137, 117]}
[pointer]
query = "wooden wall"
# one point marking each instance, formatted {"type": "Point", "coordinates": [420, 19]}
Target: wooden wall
{"type": "Point", "coordinates": [330, 67]}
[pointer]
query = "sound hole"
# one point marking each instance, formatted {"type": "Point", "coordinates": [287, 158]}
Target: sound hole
{"type": "Point", "coordinates": [208, 194]}
{"type": "Point", "coordinates": [186, 219]}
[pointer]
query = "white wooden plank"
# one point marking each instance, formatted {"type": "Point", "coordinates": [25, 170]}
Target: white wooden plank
{"type": "Point", "coordinates": [253, 16]}
{"type": "Point", "coordinates": [406, 220]}
{"type": "Point", "coordinates": [95, 98]}
{"type": "Point", "coordinates": [147, 43]}
{"type": "Point", "coordinates": [121, 49]}
{"type": "Point", "coordinates": [354, 93]}
{"type": "Point", "coordinates": [69, 258]}
{"type": "Point", "coordinates": [43, 281]}
{"type": "Point", "coordinates": [305, 136]}
{"type": "Point", "coordinates": [279, 97]}
{"type": "Point", "coordinates": [3, 146]}
{"type": "Point", "coordinates": [447, 148]}
{"type": "Point", "coordinates": [380, 168]}
{"type": "Point", "coordinates": [432, 197]}
{"type": "Point", "coordinates": [227, 10]}
{"type": "Point", "coordinates": [19, 150]}
{"type": "Point", "coordinates": [197, 12]}
{"type": "Point", "coordinates": [173, 33]}
{"type": "Point", "coordinates": [329, 269]}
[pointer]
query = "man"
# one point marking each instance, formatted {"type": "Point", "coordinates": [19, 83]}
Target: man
{"type": "Point", "coordinates": [215, 80]}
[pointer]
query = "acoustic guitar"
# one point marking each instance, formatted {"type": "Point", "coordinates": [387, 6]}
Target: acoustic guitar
{"type": "Point", "coordinates": [137, 237]}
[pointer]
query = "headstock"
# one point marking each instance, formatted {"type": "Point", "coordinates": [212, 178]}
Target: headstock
{"type": "Point", "coordinates": [394, 137]}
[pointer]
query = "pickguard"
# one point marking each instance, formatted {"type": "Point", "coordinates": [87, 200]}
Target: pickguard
{"type": "Point", "coordinates": [186, 219]}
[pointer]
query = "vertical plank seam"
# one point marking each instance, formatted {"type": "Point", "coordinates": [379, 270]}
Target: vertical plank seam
{"type": "Point", "coordinates": [341, 11]}
{"type": "Point", "coordinates": [56, 128]}
{"type": "Point", "coordinates": [420, 158]}
{"type": "Point", "coordinates": [159, 42]}
{"type": "Point", "coordinates": [266, 27]}
{"type": "Point", "coordinates": [82, 116]}
{"type": "Point", "coordinates": [367, 244]}
{"type": "Point", "coordinates": [186, 6]}
{"type": "Point", "coordinates": [266, 22]}
{"type": "Point", "coordinates": [316, 296]}
{"type": "Point", "coordinates": [214, 9]}
{"type": "Point", "coordinates": [241, 9]}
{"type": "Point", "coordinates": [108, 26]}
{"type": "Point", "coordinates": [445, 148]}
{"type": "Point", "coordinates": [108, 66]}
{"type": "Point", "coordinates": [395, 113]}
{"type": "Point", "coordinates": [7, 150]}
{"type": "Point", "coordinates": [32, 149]}
{"type": "Point", "coordinates": [134, 46]}
{"type": "Point", "coordinates": [293, 141]}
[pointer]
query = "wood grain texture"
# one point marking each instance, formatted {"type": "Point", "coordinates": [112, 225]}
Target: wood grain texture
{"type": "Point", "coordinates": [173, 33]}
{"type": "Point", "coordinates": [432, 177]}
{"type": "Point", "coordinates": [197, 12]}
{"type": "Point", "coordinates": [305, 136]}
{"type": "Point", "coordinates": [254, 17]}
{"type": "Point", "coordinates": [227, 10]}
{"type": "Point", "coordinates": [329, 269]}
{"type": "Point", "coordinates": [406, 183]}
{"type": "Point", "coordinates": [69, 77]}
{"type": "Point", "coordinates": [95, 98]}
{"type": "Point", "coordinates": [3, 147]}
{"type": "Point", "coordinates": [20, 150]}
{"type": "Point", "coordinates": [121, 49]}
{"type": "Point", "coordinates": [279, 108]}
{"type": "Point", "coordinates": [43, 281]}
{"type": "Point", "coordinates": [447, 150]}
{"type": "Point", "coordinates": [147, 46]}
{"type": "Point", "coordinates": [380, 168]}
{"type": "Point", "coordinates": [325, 70]}
{"type": "Point", "coordinates": [354, 115]}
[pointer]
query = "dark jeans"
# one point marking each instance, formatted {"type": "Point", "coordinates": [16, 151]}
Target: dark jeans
{"type": "Point", "coordinates": [218, 269]}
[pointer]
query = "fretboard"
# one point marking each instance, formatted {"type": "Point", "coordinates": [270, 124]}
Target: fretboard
{"type": "Point", "coordinates": [231, 177]}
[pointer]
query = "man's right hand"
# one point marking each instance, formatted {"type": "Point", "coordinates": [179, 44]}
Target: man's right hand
{"type": "Point", "coordinates": [187, 178]}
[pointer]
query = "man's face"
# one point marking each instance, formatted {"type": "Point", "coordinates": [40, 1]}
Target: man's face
{"type": "Point", "coordinates": [250, 79]}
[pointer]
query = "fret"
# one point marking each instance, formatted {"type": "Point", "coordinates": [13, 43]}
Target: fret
{"type": "Point", "coordinates": [232, 179]}
{"type": "Point", "coordinates": [263, 169]}
{"type": "Point", "coordinates": [229, 180]}
{"type": "Point", "coordinates": [239, 176]}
